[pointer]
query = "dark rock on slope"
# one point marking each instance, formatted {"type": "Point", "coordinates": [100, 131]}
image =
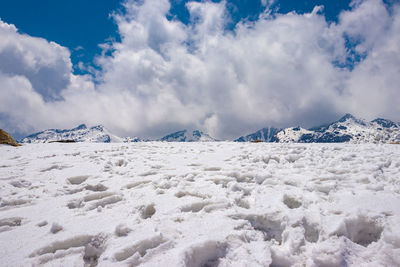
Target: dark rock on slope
{"type": "Point", "coordinates": [6, 138]}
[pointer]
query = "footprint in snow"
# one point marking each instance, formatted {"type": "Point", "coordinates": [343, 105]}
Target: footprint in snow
{"type": "Point", "coordinates": [142, 251]}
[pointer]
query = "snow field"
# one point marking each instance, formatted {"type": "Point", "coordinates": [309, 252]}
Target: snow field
{"type": "Point", "coordinates": [200, 204]}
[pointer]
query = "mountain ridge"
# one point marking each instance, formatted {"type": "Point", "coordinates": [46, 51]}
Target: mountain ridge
{"type": "Point", "coordinates": [81, 133]}
{"type": "Point", "coordinates": [346, 129]}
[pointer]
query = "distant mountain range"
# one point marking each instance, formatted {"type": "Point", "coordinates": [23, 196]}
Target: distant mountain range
{"type": "Point", "coordinates": [346, 129]}
{"type": "Point", "coordinates": [95, 134]}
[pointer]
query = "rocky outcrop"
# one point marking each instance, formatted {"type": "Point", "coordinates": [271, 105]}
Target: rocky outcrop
{"type": "Point", "coordinates": [5, 138]}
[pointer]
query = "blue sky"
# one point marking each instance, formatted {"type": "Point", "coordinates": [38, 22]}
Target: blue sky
{"type": "Point", "coordinates": [78, 25]}
{"type": "Point", "coordinates": [150, 67]}
{"type": "Point", "coordinates": [82, 25]}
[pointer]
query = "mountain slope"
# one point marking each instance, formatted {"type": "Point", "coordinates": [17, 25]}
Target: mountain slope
{"type": "Point", "coordinates": [346, 129]}
{"type": "Point", "coordinates": [187, 136]}
{"type": "Point", "coordinates": [292, 135]}
{"type": "Point", "coordinates": [95, 134]}
{"type": "Point", "coordinates": [354, 130]}
{"type": "Point", "coordinates": [265, 134]}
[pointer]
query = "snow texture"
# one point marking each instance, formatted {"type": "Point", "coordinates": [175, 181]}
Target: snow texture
{"type": "Point", "coordinates": [200, 204]}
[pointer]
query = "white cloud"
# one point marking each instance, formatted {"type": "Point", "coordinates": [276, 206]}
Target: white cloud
{"type": "Point", "coordinates": [270, 71]}
{"type": "Point", "coordinates": [164, 75]}
{"type": "Point", "coordinates": [366, 23]}
{"type": "Point", "coordinates": [46, 64]}
{"type": "Point", "coordinates": [34, 77]}
{"type": "Point", "coordinates": [267, 3]}
{"type": "Point", "coordinates": [373, 86]}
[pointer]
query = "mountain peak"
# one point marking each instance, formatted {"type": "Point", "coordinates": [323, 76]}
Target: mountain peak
{"type": "Point", "coordinates": [95, 134]}
{"type": "Point", "coordinates": [80, 127]}
{"type": "Point", "coordinates": [187, 136]}
{"type": "Point", "coordinates": [346, 117]}
{"type": "Point", "coordinates": [347, 129]}
{"type": "Point", "coordinates": [265, 134]}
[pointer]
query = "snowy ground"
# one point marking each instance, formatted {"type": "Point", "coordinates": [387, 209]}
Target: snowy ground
{"type": "Point", "coordinates": [200, 204]}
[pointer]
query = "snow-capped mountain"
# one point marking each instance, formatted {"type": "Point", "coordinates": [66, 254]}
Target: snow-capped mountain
{"type": "Point", "coordinates": [95, 134]}
{"type": "Point", "coordinates": [354, 130]}
{"type": "Point", "coordinates": [265, 134]}
{"type": "Point", "coordinates": [346, 129]}
{"type": "Point", "coordinates": [292, 134]}
{"type": "Point", "coordinates": [188, 136]}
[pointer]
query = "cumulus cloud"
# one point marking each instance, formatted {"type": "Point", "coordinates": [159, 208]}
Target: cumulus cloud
{"type": "Point", "coordinates": [45, 64]}
{"type": "Point", "coordinates": [372, 88]}
{"type": "Point", "coordinates": [163, 75]}
{"type": "Point", "coordinates": [34, 76]}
